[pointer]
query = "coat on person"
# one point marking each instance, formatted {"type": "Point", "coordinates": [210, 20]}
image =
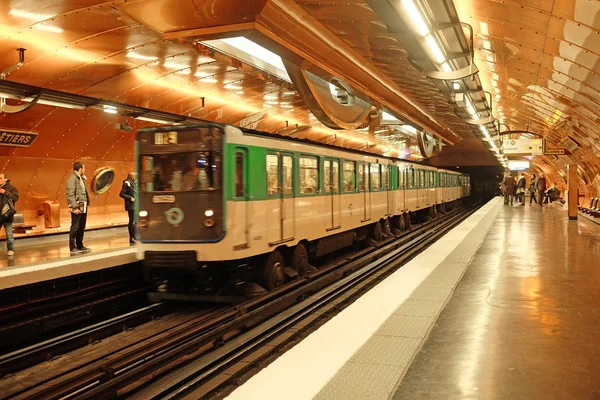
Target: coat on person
{"type": "Point", "coordinates": [129, 193]}
{"type": "Point", "coordinates": [521, 184]}
{"type": "Point", "coordinates": [509, 185]}
{"type": "Point", "coordinates": [77, 192]}
{"type": "Point", "coordinates": [10, 192]}
{"type": "Point", "coordinates": [532, 184]}
{"type": "Point", "coordinates": [540, 184]}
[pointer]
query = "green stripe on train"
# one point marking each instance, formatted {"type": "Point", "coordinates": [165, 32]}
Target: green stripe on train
{"type": "Point", "coordinates": [255, 174]}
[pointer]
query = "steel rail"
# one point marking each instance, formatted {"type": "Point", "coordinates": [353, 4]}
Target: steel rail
{"type": "Point", "coordinates": [185, 381]}
{"type": "Point", "coordinates": [181, 345]}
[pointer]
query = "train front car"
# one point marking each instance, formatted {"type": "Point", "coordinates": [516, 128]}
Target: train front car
{"type": "Point", "coordinates": [180, 202]}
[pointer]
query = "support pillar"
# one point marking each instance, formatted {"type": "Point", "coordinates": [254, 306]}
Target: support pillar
{"type": "Point", "coordinates": [572, 191]}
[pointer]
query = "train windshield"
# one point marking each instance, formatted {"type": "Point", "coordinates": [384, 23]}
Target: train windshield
{"type": "Point", "coordinates": [181, 172]}
{"type": "Point", "coordinates": [181, 160]}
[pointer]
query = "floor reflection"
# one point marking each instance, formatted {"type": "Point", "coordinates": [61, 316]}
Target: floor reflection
{"type": "Point", "coordinates": [28, 255]}
{"type": "Point", "coordinates": [524, 321]}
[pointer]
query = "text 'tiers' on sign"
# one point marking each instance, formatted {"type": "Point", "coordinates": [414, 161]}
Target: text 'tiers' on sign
{"type": "Point", "coordinates": [16, 138]}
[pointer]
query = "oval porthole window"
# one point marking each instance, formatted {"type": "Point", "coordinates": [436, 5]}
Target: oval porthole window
{"type": "Point", "coordinates": [102, 180]}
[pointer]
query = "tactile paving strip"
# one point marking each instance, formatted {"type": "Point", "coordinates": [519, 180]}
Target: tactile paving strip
{"type": "Point", "coordinates": [377, 367]}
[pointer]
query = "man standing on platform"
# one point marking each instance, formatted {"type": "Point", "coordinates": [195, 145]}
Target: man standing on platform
{"type": "Point", "coordinates": [129, 195]}
{"type": "Point", "coordinates": [10, 192]}
{"type": "Point", "coordinates": [540, 185]}
{"type": "Point", "coordinates": [78, 200]}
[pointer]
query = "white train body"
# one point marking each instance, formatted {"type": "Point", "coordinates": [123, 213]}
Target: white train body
{"type": "Point", "coordinates": [277, 193]}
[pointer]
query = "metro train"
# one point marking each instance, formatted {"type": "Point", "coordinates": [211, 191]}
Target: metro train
{"type": "Point", "coordinates": [223, 205]}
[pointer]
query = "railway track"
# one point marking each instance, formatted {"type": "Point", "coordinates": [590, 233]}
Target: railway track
{"type": "Point", "coordinates": [193, 359]}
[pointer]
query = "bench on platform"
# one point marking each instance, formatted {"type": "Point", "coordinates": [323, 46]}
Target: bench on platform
{"type": "Point", "coordinates": [19, 225]}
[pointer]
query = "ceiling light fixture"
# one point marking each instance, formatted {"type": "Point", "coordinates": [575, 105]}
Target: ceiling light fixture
{"type": "Point", "coordinates": [416, 17]}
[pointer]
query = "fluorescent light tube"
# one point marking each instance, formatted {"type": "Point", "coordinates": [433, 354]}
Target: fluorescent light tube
{"type": "Point", "coordinates": [436, 52]}
{"type": "Point", "coordinates": [416, 17]}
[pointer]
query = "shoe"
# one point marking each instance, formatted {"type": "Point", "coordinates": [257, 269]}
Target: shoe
{"type": "Point", "coordinates": [131, 241]}
{"type": "Point", "coordinates": [10, 253]}
{"type": "Point", "coordinates": [75, 251]}
{"type": "Point", "coordinates": [84, 249]}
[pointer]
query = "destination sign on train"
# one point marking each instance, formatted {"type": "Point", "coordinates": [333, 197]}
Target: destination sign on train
{"type": "Point", "coordinates": [16, 138]}
{"type": "Point", "coordinates": [165, 137]}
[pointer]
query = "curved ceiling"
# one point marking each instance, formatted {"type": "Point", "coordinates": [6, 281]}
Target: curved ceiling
{"type": "Point", "coordinates": [540, 60]}
{"type": "Point", "coordinates": [538, 57]}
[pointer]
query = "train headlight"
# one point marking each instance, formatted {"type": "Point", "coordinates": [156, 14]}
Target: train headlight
{"type": "Point", "coordinates": [143, 214]}
{"type": "Point", "coordinates": [209, 213]}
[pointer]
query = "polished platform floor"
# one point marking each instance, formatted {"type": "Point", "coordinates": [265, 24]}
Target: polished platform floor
{"type": "Point", "coordinates": [46, 258]}
{"type": "Point", "coordinates": [524, 321]}
{"type": "Point", "coordinates": [51, 248]}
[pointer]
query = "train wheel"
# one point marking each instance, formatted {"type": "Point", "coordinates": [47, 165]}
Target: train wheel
{"type": "Point", "coordinates": [407, 221]}
{"type": "Point", "coordinates": [387, 230]}
{"type": "Point", "coordinates": [433, 212]}
{"type": "Point", "coordinates": [300, 260]}
{"type": "Point", "coordinates": [375, 232]}
{"type": "Point", "coordinates": [274, 266]}
{"type": "Point", "coordinates": [402, 223]}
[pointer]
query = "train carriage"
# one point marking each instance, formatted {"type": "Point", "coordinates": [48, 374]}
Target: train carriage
{"type": "Point", "coordinates": [214, 198]}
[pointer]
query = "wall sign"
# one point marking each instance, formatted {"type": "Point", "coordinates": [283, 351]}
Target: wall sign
{"type": "Point", "coordinates": [523, 146]}
{"type": "Point", "coordinates": [16, 138]}
{"type": "Point", "coordinates": [556, 152]}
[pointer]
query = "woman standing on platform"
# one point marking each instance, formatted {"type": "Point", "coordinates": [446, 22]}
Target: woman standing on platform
{"type": "Point", "coordinates": [129, 194]}
{"type": "Point", "coordinates": [532, 184]}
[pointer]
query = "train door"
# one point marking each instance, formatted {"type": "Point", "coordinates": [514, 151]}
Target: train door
{"type": "Point", "coordinates": [280, 219]}
{"type": "Point", "coordinates": [418, 185]}
{"type": "Point", "coordinates": [332, 187]}
{"type": "Point", "coordinates": [365, 188]}
{"type": "Point", "coordinates": [387, 186]}
{"type": "Point", "coordinates": [402, 186]}
{"type": "Point", "coordinates": [240, 207]}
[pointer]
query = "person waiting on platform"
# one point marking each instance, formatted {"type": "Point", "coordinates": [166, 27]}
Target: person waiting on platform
{"type": "Point", "coordinates": [540, 186]}
{"type": "Point", "coordinates": [509, 189]}
{"type": "Point", "coordinates": [8, 192]}
{"type": "Point", "coordinates": [129, 194]}
{"type": "Point", "coordinates": [552, 194]}
{"type": "Point", "coordinates": [78, 200]}
{"type": "Point", "coordinates": [532, 189]}
{"type": "Point", "coordinates": [521, 183]}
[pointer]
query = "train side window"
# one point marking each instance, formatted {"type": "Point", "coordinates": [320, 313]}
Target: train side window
{"type": "Point", "coordinates": [239, 174]}
{"type": "Point", "coordinates": [287, 174]}
{"type": "Point", "coordinates": [400, 177]}
{"type": "Point", "coordinates": [349, 176]}
{"type": "Point", "coordinates": [362, 177]}
{"type": "Point", "coordinates": [385, 173]}
{"type": "Point", "coordinates": [335, 176]}
{"type": "Point", "coordinates": [309, 175]}
{"type": "Point", "coordinates": [272, 174]}
{"type": "Point", "coordinates": [376, 176]}
{"type": "Point", "coordinates": [410, 177]}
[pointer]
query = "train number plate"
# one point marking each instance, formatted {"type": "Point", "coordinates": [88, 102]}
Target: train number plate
{"type": "Point", "coordinates": [163, 199]}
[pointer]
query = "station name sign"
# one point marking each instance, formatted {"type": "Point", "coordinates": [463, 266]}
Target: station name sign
{"type": "Point", "coordinates": [16, 138]}
{"type": "Point", "coordinates": [523, 146]}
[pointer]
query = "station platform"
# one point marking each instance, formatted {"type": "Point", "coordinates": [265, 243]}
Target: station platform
{"type": "Point", "coordinates": [505, 306]}
{"type": "Point", "coordinates": [46, 258]}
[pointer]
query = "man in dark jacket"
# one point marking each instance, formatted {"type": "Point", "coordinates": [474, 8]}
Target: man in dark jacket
{"type": "Point", "coordinates": [521, 189]}
{"type": "Point", "coordinates": [10, 192]}
{"type": "Point", "coordinates": [540, 185]}
{"type": "Point", "coordinates": [129, 195]}
{"type": "Point", "coordinates": [78, 200]}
